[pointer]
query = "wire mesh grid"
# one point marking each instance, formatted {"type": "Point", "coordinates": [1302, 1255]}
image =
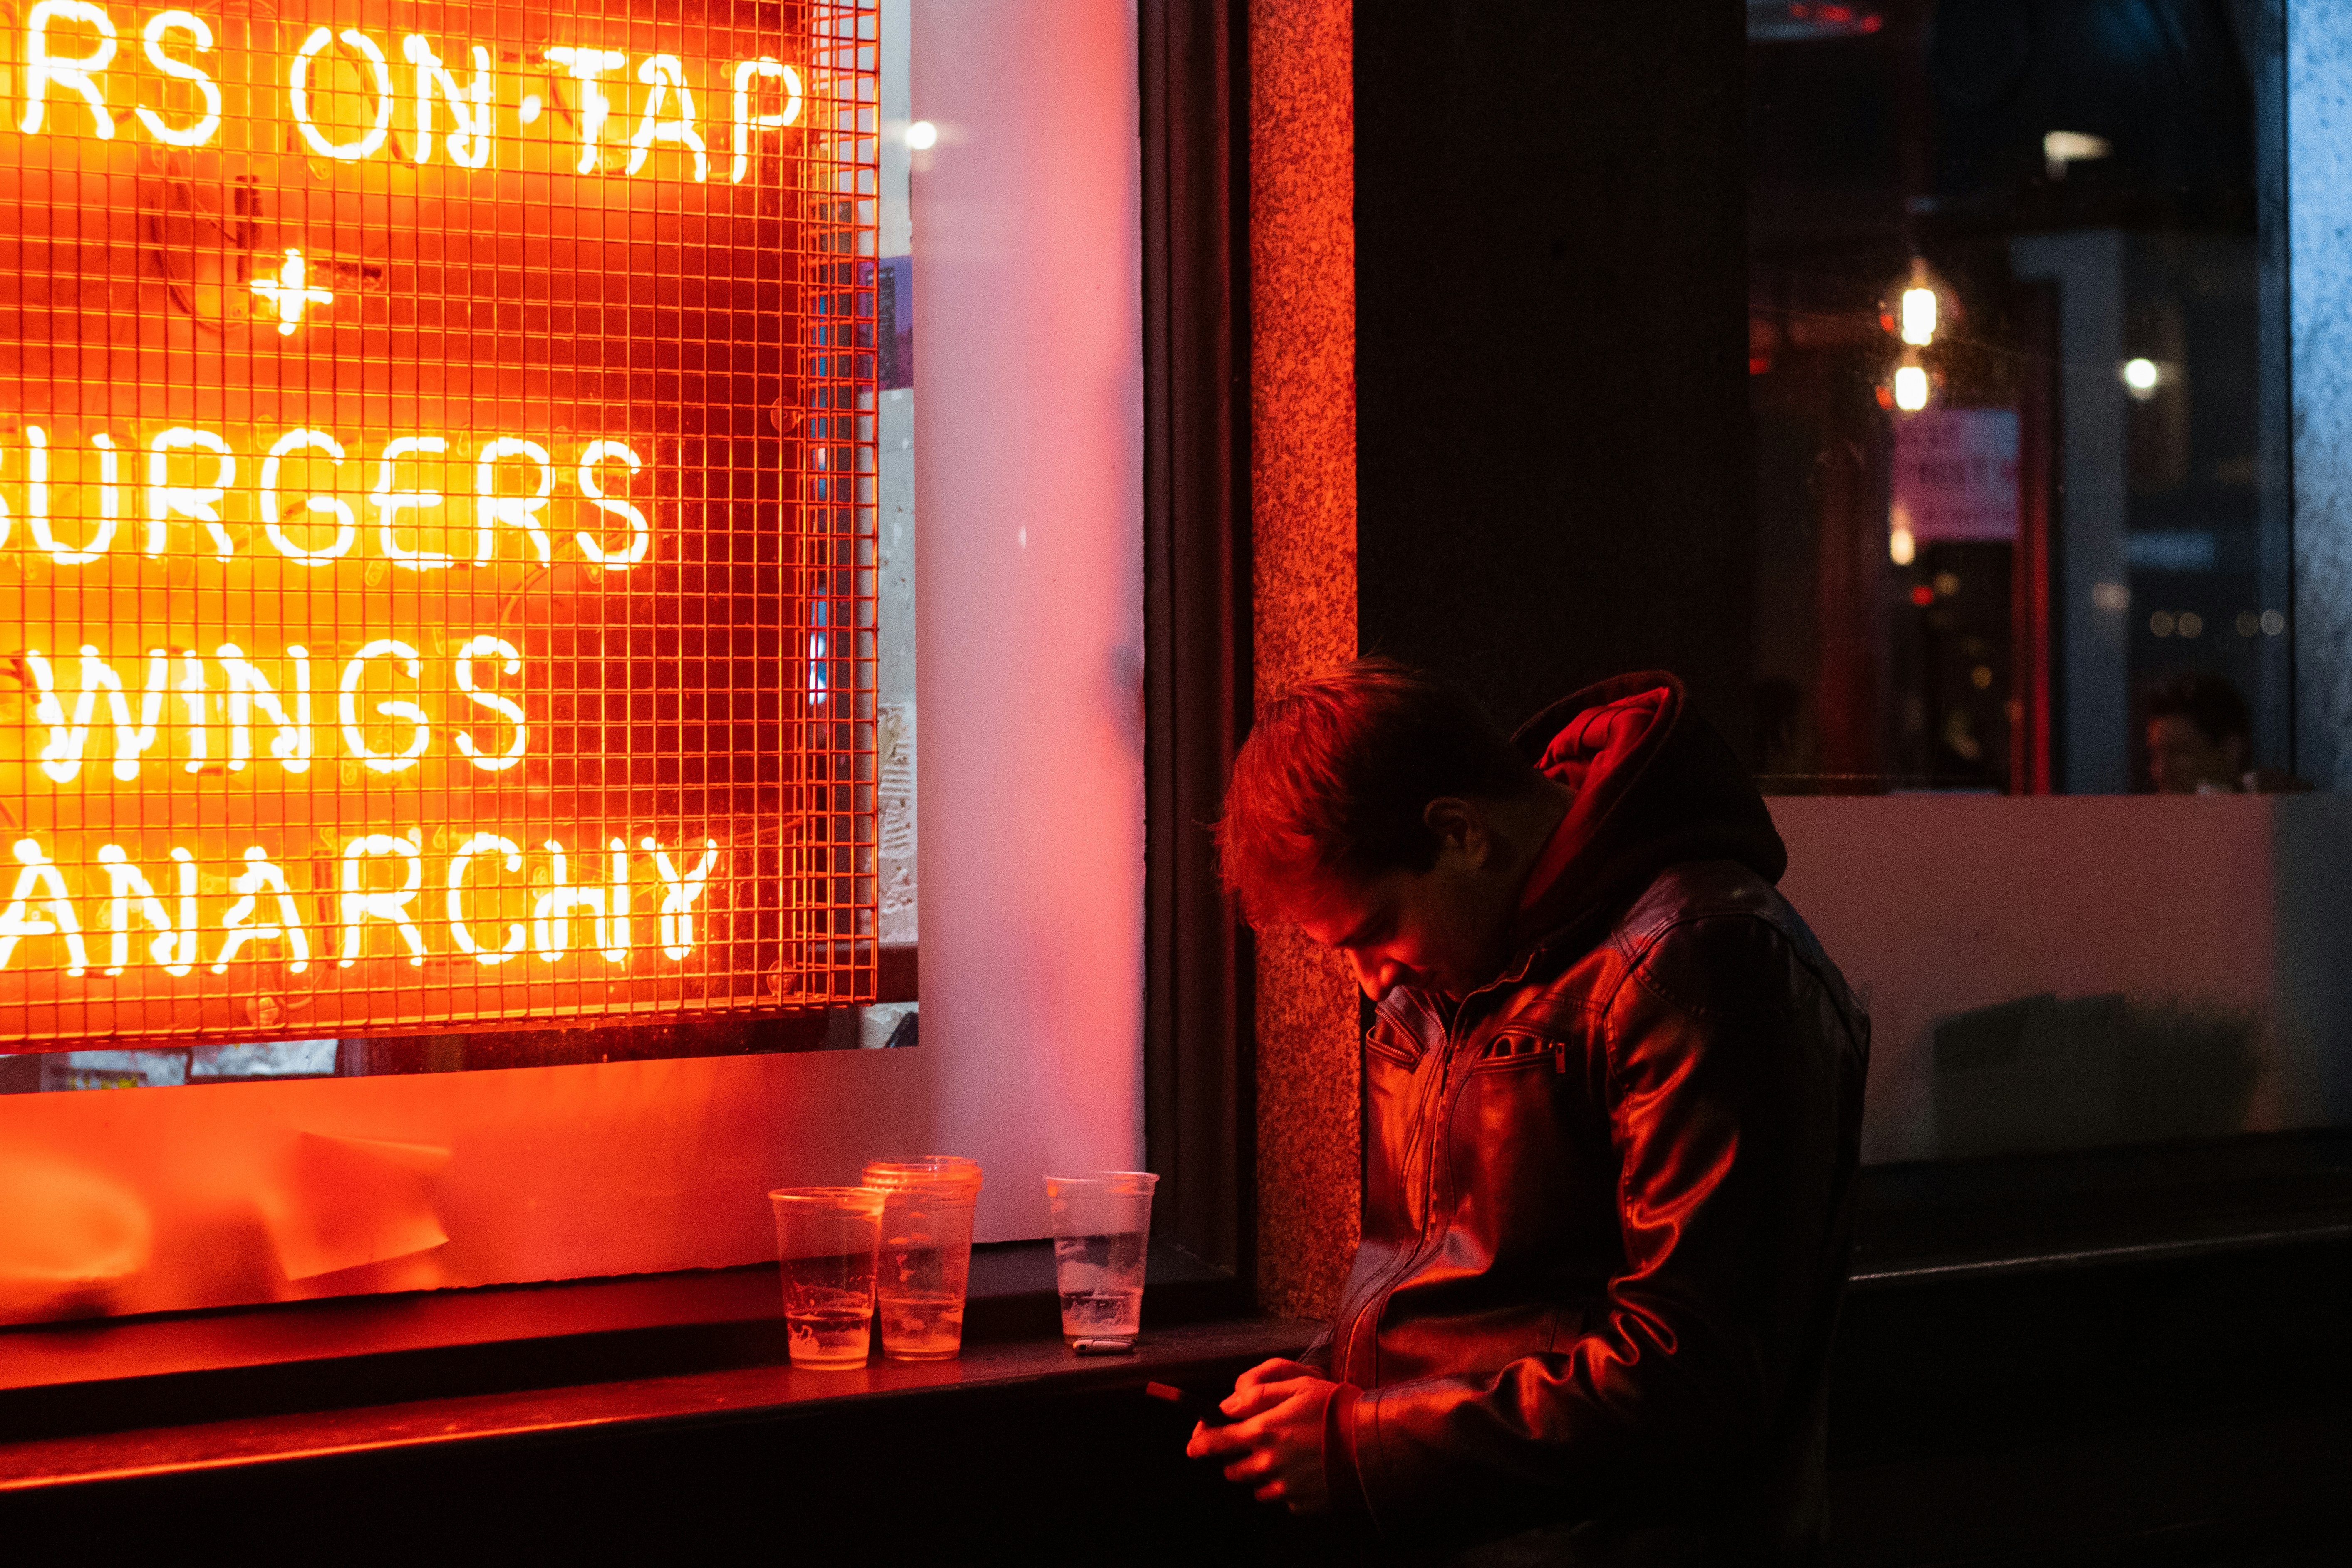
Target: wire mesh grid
{"type": "Point", "coordinates": [438, 567]}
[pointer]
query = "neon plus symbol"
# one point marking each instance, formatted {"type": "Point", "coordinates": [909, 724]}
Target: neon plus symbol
{"type": "Point", "coordinates": [289, 291]}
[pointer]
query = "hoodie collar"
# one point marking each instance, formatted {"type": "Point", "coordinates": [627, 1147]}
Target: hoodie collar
{"type": "Point", "coordinates": [1655, 785]}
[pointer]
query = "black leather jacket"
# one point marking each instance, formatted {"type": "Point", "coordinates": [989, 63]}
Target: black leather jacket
{"type": "Point", "coordinates": [1608, 1197]}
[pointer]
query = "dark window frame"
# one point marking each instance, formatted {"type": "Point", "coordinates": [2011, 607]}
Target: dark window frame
{"type": "Point", "coordinates": [1198, 1060]}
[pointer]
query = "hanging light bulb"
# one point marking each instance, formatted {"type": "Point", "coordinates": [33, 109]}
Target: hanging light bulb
{"type": "Point", "coordinates": [1919, 305]}
{"type": "Point", "coordinates": [1919, 316]}
{"type": "Point", "coordinates": [1910, 387]}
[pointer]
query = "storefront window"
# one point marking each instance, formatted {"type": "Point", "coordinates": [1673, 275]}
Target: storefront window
{"type": "Point", "coordinates": [2017, 361]}
{"type": "Point", "coordinates": [751, 679]}
{"type": "Point", "coordinates": [455, 515]}
{"type": "Point", "coordinates": [2019, 329]}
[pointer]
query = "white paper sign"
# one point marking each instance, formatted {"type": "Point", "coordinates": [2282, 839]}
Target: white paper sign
{"type": "Point", "coordinates": [1956, 475]}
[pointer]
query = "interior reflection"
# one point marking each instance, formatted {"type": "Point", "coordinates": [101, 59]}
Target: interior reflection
{"type": "Point", "coordinates": [2016, 358]}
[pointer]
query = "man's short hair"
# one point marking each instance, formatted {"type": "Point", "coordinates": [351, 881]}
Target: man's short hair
{"type": "Point", "coordinates": [2208, 702]}
{"type": "Point", "coordinates": [1331, 788]}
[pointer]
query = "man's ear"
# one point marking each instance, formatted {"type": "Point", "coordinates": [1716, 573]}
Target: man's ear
{"type": "Point", "coordinates": [1461, 824]}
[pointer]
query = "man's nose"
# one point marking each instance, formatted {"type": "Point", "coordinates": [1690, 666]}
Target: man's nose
{"type": "Point", "coordinates": [1375, 979]}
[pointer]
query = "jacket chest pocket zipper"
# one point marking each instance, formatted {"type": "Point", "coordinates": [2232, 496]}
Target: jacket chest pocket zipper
{"type": "Point", "coordinates": [1520, 1051]}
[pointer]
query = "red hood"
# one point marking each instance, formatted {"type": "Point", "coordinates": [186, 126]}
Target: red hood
{"type": "Point", "coordinates": [1655, 784]}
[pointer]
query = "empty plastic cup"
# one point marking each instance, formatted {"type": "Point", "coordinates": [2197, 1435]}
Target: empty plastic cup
{"type": "Point", "coordinates": [1102, 1225]}
{"type": "Point", "coordinates": [826, 1239]}
{"type": "Point", "coordinates": [951, 1168]}
{"type": "Point", "coordinates": [925, 1263]}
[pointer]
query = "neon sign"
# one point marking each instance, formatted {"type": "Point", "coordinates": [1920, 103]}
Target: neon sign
{"type": "Point", "coordinates": [70, 73]}
{"type": "Point", "coordinates": [436, 529]}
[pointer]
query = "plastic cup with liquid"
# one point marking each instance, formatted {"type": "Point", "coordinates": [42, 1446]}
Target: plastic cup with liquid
{"type": "Point", "coordinates": [924, 1266]}
{"type": "Point", "coordinates": [825, 1241]}
{"type": "Point", "coordinates": [1102, 1227]}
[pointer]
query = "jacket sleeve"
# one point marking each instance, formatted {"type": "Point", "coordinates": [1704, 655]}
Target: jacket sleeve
{"type": "Point", "coordinates": [1724, 1081]}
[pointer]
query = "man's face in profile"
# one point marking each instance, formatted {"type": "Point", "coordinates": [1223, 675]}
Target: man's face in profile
{"type": "Point", "coordinates": [1440, 929]}
{"type": "Point", "coordinates": [2182, 761]}
{"type": "Point", "coordinates": [1402, 928]}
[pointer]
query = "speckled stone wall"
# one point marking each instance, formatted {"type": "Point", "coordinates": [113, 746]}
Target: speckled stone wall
{"type": "Point", "coordinates": [1303, 579]}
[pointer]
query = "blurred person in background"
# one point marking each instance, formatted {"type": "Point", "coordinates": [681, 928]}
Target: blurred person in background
{"type": "Point", "coordinates": [2201, 740]}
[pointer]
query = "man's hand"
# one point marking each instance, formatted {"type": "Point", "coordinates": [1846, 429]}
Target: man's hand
{"type": "Point", "coordinates": [1274, 1370]}
{"type": "Point", "coordinates": [1274, 1444]}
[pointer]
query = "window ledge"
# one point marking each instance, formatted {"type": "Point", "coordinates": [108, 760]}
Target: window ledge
{"type": "Point", "coordinates": [530, 1345]}
{"type": "Point", "coordinates": [1951, 1222]}
{"type": "Point", "coordinates": [1185, 1355]}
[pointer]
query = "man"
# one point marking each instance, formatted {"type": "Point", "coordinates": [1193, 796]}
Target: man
{"type": "Point", "coordinates": [1614, 1094]}
{"type": "Point", "coordinates": [2200, 736]}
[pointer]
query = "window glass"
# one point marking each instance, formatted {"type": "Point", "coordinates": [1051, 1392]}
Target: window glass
{"type": "Point", "coordinates": [2018, 364]}
{"type": "Point", "coordinates": [443, 575]}
{"type": "Point", "coordinates": [2017, 370]}
{"type": "Point", "coordinates": [293, 1185]}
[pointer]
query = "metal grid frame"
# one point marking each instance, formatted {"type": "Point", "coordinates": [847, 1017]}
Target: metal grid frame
{"type": "Point", "coordinates": [623, 342]}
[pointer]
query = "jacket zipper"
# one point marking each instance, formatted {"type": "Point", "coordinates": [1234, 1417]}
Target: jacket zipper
{"type": "Point", "coordinates": [1377, 1297]}
{"type": "Point", "coordinates": [1404, 1260]}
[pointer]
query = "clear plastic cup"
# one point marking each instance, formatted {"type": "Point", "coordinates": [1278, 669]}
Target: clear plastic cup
{"type": "Point", "coordinates": [925, 1169]}
{"type": "Point", "coordinates": [1102, 1227]}
{"type": "Point", "coordinates": [826, 1239]}
{"type": "Point", "coordinates": [925, 1263]}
